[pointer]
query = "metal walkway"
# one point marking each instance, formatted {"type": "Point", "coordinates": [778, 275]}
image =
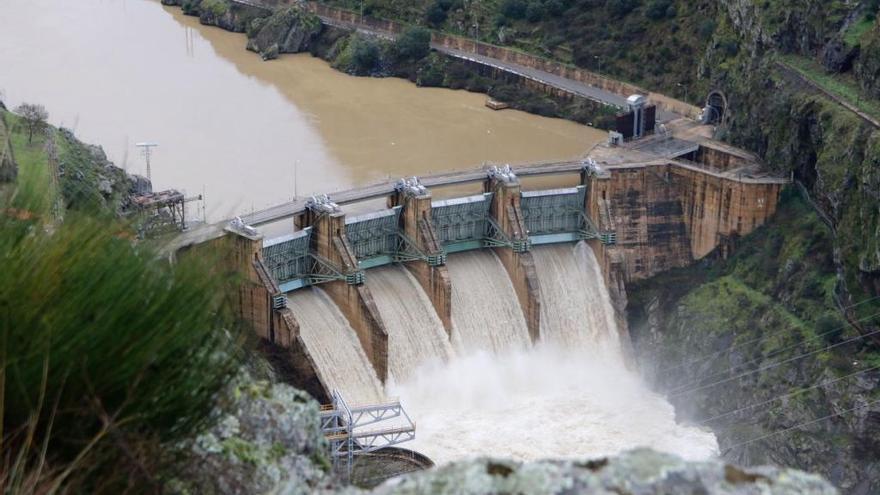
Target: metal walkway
{"type": "Point", "coordinates": [343, 425]}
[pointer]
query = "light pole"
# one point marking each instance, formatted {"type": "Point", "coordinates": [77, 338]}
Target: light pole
{"type": "Point", "coordinates": [598, 64]}
{"type": "Point", "coordinates": [685, 88]}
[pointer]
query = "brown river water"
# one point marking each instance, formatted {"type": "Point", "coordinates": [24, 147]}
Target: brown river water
{"type": "Point", "coordinates": [244, 132]}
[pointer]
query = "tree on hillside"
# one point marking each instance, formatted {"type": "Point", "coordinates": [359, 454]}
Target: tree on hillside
{"type": "Point", "coordinates": [414, 44]}
{"type": "Point", "coordinates": [34, 117]}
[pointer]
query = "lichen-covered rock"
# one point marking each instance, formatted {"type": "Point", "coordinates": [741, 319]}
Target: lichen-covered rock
{"type": "Point", "coordinates": [265, 435]}
{"type": "Point", "coordinates": [287, 30]}
{"type": "Point", "coordinates": [639, 472]}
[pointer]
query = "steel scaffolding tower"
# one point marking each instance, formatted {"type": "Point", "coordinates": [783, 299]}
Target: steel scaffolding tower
{"type": "Point", "coordinates": [343, 427]}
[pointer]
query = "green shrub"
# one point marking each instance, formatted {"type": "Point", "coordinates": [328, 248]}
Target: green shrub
{"type": "Point", "coordinates": [619, 8]}
{"type": "Point", "coordinates": [555, 7]}
{"type": "Point", "coordinates": [830, 328]}
{"type": "Point", "coordinates": [657, 9]}
{"type": "Point", "coordinates": [215, 7]}
{"type": "Point", "coordinates": [707, 28]}
{"type": "Point", "coordinates": [432, 72]}
{"type": "Point", "coordinates": [514, 9]}
{"type": "Point", "coordinates": [414, 44]}
{"type": "Point", "coordinates": [535, 11]}
{"type": "Point", "coordinates": [107, 350]}
{"type": "Point", "coordinates": [436, 14]}
{"type": "Point", "coordinates": [360, 56]}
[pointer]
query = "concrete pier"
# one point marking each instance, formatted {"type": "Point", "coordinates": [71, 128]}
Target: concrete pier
{"type": "Point", "coordinates": [330, 244]}
{"type": "Point", "coordinates": [415, 224]}
{"type": "Point", "coordinates": [506, 212]}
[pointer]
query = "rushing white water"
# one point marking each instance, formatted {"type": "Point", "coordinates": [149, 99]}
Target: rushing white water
{"type": "Point", "coordinates": [576, 309]}
{"type": "Point", "coordinates": [571, 396]}
{"type": "Point", "coordinates": [486, 315]}
{"type": "Point", "coordinates": [415, 333]}
{"type": "Point", "coordinates": [334, 346]}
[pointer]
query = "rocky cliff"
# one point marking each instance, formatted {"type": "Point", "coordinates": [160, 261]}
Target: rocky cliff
{"type": "Point", "coordinates": [287, 30]}
{"type": "Point", "coordinates": [755, 348]}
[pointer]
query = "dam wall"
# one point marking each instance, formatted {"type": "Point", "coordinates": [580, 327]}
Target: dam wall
{"type": "Point", "coordinates": [640, 213]}
{"type": "Point", "coordinates": [258, 302]}
{"type": "Point", "coordinates": [666, 215]}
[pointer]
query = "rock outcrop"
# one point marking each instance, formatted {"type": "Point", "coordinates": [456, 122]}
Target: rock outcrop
{"type": "Point", "coordinates": [287, 30]}
{"type": "Point", "coordinates": [641, 472]}
{"type": "Point", "coordinates": [221, 13]}
{"type": "Point", "coordinates": [91, 182]}
{"type": "Point", "coordinates": [265, 435]}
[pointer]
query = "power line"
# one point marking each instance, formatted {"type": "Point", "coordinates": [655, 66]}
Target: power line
{"type": "Point", "coordinates": [801, 425]}
{"type": "Point", "coordinates": [756, 339]}
{"type": "Point", "coordinates": [675, 390]}
{"type": "Point", "coordinates": [775, 365]}
{"type": "Point", "coordinates": [790, 394]}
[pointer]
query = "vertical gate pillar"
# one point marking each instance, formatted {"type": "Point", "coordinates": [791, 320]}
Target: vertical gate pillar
{"type": "Point", "coordinates": [351, 296]}
{"type": "Point", "coordinates": [520, 266]}
{"type": "Point", "coordinates": [417, 227]}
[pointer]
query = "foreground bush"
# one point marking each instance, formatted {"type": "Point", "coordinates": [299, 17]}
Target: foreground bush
{"type": "Point", "coordinates": [107, 352]}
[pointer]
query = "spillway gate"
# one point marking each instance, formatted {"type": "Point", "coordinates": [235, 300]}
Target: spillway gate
{"type": "Point", "coordinates": [558, 215]}
{"type": "Point", "coordinates": [456, 225]}
{"type": "Point", "coordinates": [294, 265]}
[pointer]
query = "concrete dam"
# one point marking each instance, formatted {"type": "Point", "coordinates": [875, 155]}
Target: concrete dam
{"type": "Point", "coordinates": [495, 319]}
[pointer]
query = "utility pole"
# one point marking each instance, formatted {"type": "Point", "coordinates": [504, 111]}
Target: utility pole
{"type": "Point", "coordinates": [295, 179]}
{"type": "Point", "coordinates": [147, 150]}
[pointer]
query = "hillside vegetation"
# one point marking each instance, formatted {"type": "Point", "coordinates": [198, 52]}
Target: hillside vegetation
{"type": "Point", "coordinates": [108, 353]}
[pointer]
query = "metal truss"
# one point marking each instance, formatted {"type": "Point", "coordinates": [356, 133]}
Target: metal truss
{"type": "Point", "coordinates": [341, 425]}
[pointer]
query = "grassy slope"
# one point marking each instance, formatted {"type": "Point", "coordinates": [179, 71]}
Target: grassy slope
{"type": "Point", "coordinates": [841, 85]}
{"type": "Point", "coordinates": [122, 343]}
{"type": "Point", "coordinates": [34, 174]}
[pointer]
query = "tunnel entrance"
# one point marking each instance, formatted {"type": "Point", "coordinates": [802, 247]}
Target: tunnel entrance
{"type": "Point", "coordinates": [715, 109]}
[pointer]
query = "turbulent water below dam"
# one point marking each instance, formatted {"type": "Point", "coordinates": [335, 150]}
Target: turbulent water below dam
{"type": "Point", "coordinates": [492, 392]}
